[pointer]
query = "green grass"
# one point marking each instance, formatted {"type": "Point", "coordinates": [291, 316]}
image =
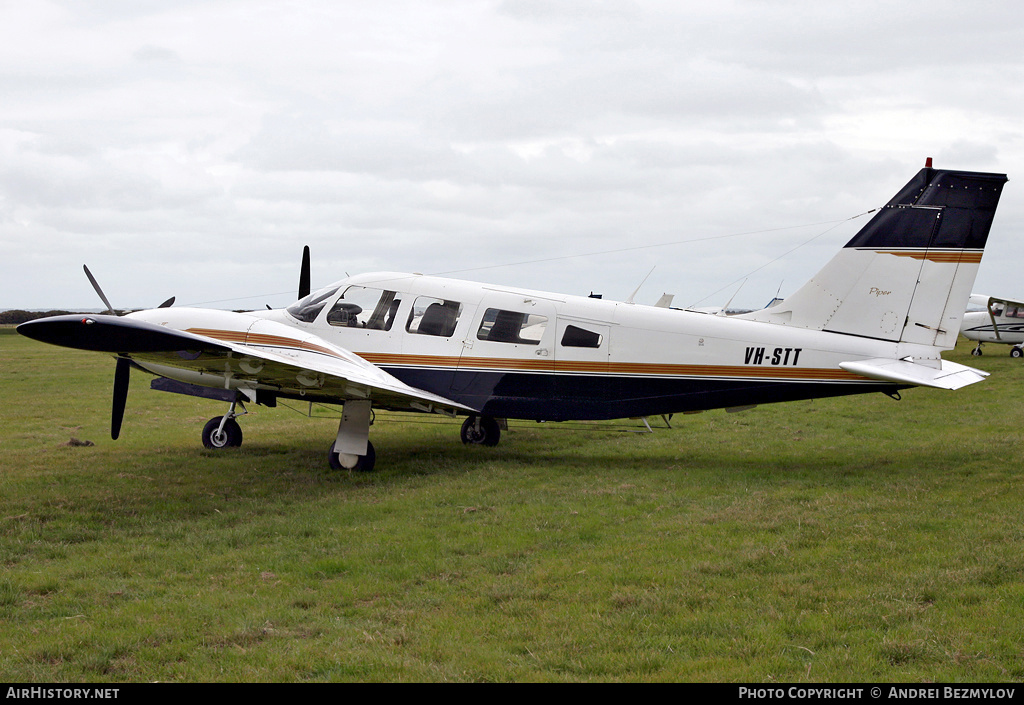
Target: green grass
{"type": "Point", "coordinates": [855, 539]}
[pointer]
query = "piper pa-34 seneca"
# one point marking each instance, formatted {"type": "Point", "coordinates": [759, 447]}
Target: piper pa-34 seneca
{"type": "Point", "coordinates": [1002, 321]}
{"type": "Point", "coordinates": [874, 319]}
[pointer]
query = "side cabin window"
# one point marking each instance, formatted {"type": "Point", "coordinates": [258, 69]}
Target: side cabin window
{"type": "Point", "coordinates": [576, 337]}
{"type": "Point", "coordinates": [308, 308]}
{"type": "Point", "coordinates": [430, 316]}
{"type": "Point", "coordinates": [997, 310]}
{"type": "Point", "coordinates": [1014, 312]}
{"type": "Point", "coordinates": [512, 327]}
{"type": "Point", "coordinates": [365, 307]}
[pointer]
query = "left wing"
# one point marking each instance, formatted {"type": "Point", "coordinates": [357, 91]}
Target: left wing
{"type": "Point", "coordinates": [237, 351]}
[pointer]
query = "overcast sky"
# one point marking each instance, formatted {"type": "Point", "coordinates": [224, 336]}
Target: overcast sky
{"type": "Point", "coordinates": [192, 148]}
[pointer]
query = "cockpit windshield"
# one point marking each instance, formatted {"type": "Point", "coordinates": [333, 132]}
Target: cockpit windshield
{"type": "Point", "coordinates": [308, 308]}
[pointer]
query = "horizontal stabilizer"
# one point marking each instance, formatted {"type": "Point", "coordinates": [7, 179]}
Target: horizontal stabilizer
{"type": "Point", "coordinates": [951, 376]}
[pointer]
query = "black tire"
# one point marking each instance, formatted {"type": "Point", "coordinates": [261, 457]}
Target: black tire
{"type": "Point", "coordinates": [231, 437]}
{"type": "Point", "coordinates": [488, 434]}
{"type": "Point", "coordinates": [1016, 352]}
{"type": "Point", "coordinates": [364, 464]}
{"type": "Point", "coordinates": [976, 352]}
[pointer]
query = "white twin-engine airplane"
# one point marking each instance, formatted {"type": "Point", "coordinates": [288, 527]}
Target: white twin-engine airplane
{"type": "Point", "coordinates": [875, 319]}
{"type": "Point", "coordinates": [1002, 321]}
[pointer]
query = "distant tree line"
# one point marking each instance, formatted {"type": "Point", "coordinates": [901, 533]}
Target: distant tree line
{"type": "Point", "coordinates": [17, 317]}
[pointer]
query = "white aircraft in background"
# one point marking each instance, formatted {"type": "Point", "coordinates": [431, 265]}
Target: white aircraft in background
{"type": "Point", "coordinates": [876, 318]}
{"type": "Point", "coordinates": [1001, 321]}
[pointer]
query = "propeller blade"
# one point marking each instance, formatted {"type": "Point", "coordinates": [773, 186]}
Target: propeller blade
{"type": "Point", "coordinates": [121, 374]}
{"type": "Point", "coordinates": [304, 274]}
{"type": "Point", "coordinates": [167, 304]}
{"type": "Point", "coordinates": [96, 286]}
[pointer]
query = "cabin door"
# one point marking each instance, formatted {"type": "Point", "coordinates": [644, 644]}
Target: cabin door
{"type": "Point", "coordinates": [507, 358]}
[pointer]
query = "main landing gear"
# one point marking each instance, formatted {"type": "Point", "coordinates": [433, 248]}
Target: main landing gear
{"type": "Point", "coordinates": [351, 450]}
{"type": "Point", "coordinates": [1015, 351]}
{"type": "Point", "coordinates": [224, 431]}
{"type": "Point", "coordinates": [481, 430]}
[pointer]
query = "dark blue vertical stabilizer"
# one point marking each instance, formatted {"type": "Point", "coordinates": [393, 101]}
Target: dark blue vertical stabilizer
{"type": "Point", "coordinates": [936, 209]}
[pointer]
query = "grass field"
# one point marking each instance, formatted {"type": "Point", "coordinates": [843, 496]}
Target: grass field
{"type": "Point", "coordinates": [855, 539]}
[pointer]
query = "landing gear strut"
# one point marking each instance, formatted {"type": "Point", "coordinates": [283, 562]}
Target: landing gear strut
{"type": "Point", "coordinates": [224, 431]}
{"type": "Point", "coordinates": [352, 449]}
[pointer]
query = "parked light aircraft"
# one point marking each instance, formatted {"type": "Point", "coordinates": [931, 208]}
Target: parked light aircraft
{"type": "Point", "coordinates": [1002, 321]}
{"type": "Point", "coordinates": [874, 319]}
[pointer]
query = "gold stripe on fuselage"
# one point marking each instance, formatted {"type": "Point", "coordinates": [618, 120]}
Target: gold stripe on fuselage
{"type": "Point", "coordinates": [610, 369]}
{"type": "Point", "coordinates": [575, 367]}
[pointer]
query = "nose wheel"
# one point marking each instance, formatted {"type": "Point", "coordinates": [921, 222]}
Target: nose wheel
{"type": "Point", "coordinates": [352, 449]}
{"type": "Point", "coordinates": [346, 461]}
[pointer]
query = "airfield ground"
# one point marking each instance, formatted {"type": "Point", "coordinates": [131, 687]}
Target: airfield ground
{"type": "Point", "coordinates": [854, 539]}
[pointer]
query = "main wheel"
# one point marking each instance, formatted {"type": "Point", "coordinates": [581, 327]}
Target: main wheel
{"type": "Point", "coordinates": [1016, 352]}
{"type": "Point", "coordinates": [363, 463]}
{"type": "Point", "coordinates": [486, 433]}
{"type": "Point", "coordinates": [230, 437]}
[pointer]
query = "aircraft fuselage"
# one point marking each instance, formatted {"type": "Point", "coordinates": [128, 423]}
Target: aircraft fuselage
{"type": "Point", "coordinates": [517, 353]}
{"type": "Point", "coordinates": [977, 325]}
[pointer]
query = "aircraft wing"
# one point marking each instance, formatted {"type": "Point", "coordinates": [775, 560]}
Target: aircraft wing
{"type": "Point", "coordinates": [951, 375]}
{"type": "Point", "coordinates": [256, 356]}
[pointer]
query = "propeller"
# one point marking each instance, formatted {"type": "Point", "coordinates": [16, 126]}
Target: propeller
{"type": "Point", "coordinates": [110, 309]}
{"type": "Point", "coordinates": [121, 375]}
{"type": "Point", "coordinates": [122, 372]}
{"type": "Point", "coordinates": [96, 286]}
{"type": "Point", "coordinates": [304, 274]}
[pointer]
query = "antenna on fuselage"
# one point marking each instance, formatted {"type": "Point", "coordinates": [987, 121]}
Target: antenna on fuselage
{"type": "Point", "coordinates": [729, 302]}
{"type": "Point", "coordinates": [637, 290]}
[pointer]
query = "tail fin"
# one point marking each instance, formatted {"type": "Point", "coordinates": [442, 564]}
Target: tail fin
{"type": "Point", "coordinates": [907, 275]}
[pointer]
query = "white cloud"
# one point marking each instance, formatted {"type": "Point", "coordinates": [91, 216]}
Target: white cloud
{"type": "Point", "coordinates": [193, 148]}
